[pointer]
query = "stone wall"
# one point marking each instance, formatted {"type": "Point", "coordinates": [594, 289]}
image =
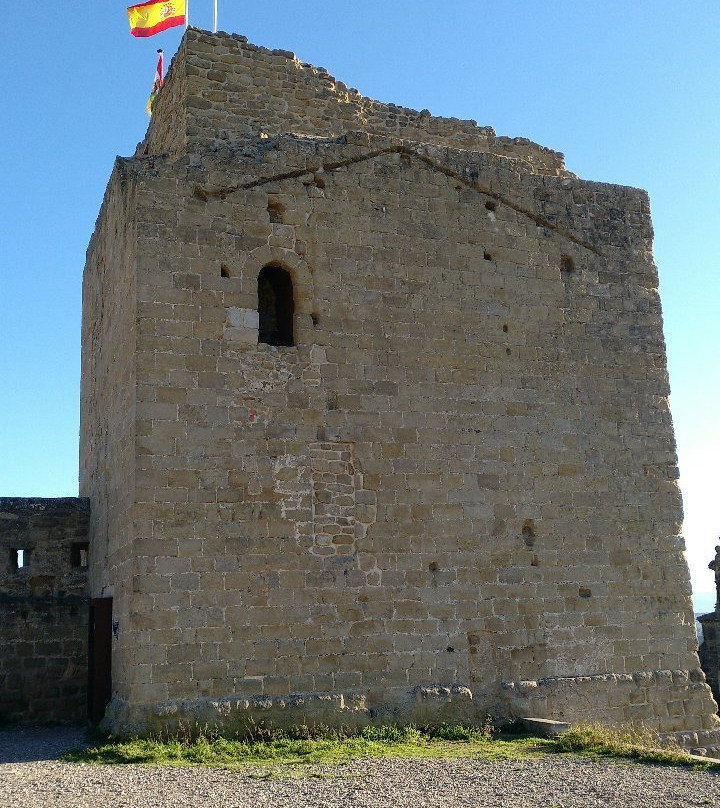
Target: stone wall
{"type": "Point", "coordinates": [461, 475]}
{"type": "Point", "coordinates": [43, 602]}
{"type": "Point", "coordinates": [710, 652]}
{"type": "Point", "coordinates": [108, 396]}
{"type": "Point", "coordinates": [222, 89]}
{"type": "Point", "coordinates": [710, 647]}
{"type": "Point", "coordinates": [667, 702]}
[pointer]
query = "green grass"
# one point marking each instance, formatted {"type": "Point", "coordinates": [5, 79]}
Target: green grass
{"type": "Point", "coordinates": [302, 746]}
{"type": "Point", "coordinates": [630, 744]}
{"type": "Point", "coordinates": [305, 747]}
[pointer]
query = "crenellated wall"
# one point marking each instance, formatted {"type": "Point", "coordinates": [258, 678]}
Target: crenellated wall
{"type": "Point", "coordinates": [43, 609]}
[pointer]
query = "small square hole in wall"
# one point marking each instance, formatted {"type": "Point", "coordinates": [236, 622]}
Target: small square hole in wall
{"type": "Point", "coordinates": [79, 554]}
{"type": "Point", "coordinates": [275, 210]}
{"type": "Point", "coordinates": [19, 558]}
{"type": "Point", "coordinates": [528, 532]}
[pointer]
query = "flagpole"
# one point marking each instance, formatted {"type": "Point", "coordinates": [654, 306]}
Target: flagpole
{"type": "Point", "coordinates": [214, 16]}
{"type": "Point", "coordinates": [187, 14]}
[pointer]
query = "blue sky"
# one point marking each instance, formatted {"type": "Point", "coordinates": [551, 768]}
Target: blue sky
{"type": "Point", "coordinates": [628, 91]}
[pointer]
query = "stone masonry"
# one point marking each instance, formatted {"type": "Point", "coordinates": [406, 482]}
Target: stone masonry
{"type": "Point", "coordinates": [455, 493]}
{"type": "Point", "coordinates": [43, 603]}
{"type": "Point", "coordinates": [710, 648]}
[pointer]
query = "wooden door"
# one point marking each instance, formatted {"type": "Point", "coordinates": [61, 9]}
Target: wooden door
{"type": "Point", "coordinates": [99, 658]}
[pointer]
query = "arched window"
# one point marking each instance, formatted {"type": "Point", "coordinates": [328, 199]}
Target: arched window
{"type": "Point", "coordinates": [275, 306]}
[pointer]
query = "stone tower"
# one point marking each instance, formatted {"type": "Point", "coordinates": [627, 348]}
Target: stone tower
{"type": "Point", "coordinates": [375, 421]}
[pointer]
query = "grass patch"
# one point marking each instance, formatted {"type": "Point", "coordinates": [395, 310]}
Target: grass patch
{"type": "Point", "coordinates": [287, 752]}
{"type": "Point", "coordinates": [304, 746]}
{"type": "Point", "coordinates": [629, 744]}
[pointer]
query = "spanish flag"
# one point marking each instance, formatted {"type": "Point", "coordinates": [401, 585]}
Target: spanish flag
{"type": "Point", "coordinates": [154, 16]}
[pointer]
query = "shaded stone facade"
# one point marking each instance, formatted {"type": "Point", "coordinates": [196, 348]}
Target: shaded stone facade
{"type": "Point", "coordinates": [43, 608]}
{"type": "Point", "coordinates": [455, 489]}
{"type": "Point", "coordinates": [710, 647]}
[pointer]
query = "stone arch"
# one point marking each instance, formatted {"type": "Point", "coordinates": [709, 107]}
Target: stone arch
{"type": "Point", "coordinates": [288, 260]}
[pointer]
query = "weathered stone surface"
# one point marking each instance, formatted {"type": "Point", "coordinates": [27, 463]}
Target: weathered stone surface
{"type": "Point", "coordinates": [43, 609]}
{"type": "Point", "coordinates": [461, 474]}
{"type": "Point", "coordinates": [710, 648]}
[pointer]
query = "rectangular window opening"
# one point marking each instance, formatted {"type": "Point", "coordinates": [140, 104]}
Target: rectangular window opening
{"type": "Point", "coordinates": [19, 558]}
{"type": "Point", "coordinates": [79, 554]}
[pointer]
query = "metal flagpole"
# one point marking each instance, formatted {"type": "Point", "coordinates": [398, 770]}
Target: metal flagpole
{"type": "Point", "coordinates": [214, 16]}
{"type": "Point", "coordinates": [187, 14]}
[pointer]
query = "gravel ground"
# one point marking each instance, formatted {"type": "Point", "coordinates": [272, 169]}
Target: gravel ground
{"type": "Point", "coordinates": [31, 778]}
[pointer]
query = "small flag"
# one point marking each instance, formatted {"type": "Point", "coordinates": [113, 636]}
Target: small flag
{"type": "Point", "coordinates": [154, 16]}
{"type": "Point", "coordinates": [157, 84]}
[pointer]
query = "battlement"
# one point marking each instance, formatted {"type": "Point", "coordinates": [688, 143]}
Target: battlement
{"type": "Point", "coordinates": [222, 91]}
{"type": "Point", "coordinates": [43, 602]}
{"type": "Point", "coordinates": [44, 544]}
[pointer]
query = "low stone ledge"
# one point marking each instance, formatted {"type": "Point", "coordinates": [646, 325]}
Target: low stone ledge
{"type": "Point", "coordinates": [235, 715]}
{"type": "Point", "coordinates": [676, 704]}
{"type": "Point", "coordinates": [238, 715]}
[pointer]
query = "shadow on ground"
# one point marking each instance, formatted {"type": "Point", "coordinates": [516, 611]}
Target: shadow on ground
{"type": "Point", "coordinates": [28, 744]}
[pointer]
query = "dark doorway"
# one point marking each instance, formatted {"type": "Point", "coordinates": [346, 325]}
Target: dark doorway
{"type": "Point", "coordinates": [275, 306]}
{"type": "Point", "coordinates": [99, 658]}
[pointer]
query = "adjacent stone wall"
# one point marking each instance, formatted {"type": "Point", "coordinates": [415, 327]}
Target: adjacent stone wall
{"type": "Point", "coordinates": [43, 630]}
{"type": "Point", "coordinates": [463, 472]}
{"type": "Point", "coordinates": [710, 651]}
{"type": "Point", "coordinates": [710, 648]}
{"type": "Point", "coordinates": [665, 701]}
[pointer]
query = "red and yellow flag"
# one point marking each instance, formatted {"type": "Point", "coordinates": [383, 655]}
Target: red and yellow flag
{"type": "Point", "coordinates": [154, 16]}
{"type": "Point", "coordinates": [157, 84]}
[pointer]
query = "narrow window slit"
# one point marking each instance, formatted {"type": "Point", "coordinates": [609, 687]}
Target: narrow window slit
{"type": "Point", "coordinates": [79, 554]}
{"type": "Point", "coordinates": [19, 558]}
{"type": "Point", "coordinates": [528, 532]}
